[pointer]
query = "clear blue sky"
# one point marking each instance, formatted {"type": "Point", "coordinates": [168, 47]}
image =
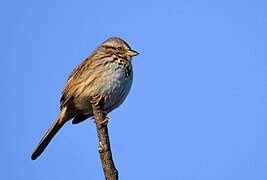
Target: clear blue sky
{"type": "Point", "coordinates": [197, 107]}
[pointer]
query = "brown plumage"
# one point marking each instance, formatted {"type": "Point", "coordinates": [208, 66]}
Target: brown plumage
{"type": "Point", "coordinates": [106, 72]}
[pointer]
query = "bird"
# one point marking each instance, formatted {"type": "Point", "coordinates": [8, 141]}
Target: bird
{"type": "Point", "coordinates": [107, 73]}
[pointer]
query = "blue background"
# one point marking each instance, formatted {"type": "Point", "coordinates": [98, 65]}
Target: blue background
{"type": "Point", "coordinates": [197, 107]}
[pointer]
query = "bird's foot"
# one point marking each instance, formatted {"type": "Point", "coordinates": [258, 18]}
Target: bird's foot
{"type": "Point", "coordinates": [96, 99]}
{"type": "Point", "coordinates": [104, 122]}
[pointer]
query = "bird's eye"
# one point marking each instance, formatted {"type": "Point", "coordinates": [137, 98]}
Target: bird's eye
{"type": "Point", "coordinates": [119, 48]}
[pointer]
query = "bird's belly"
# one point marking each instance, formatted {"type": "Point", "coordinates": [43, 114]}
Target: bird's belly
{"type": "Point", "coordinates": [114, 86]}
{"type": "Point", "coordinates": [115, 89]}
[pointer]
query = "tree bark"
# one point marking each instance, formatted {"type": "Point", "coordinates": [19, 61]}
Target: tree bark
{"type": "Point", "coordinates": [104, 149]}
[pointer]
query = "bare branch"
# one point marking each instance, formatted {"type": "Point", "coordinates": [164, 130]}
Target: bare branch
{"type": "Point", "coordinates": [104, 149]}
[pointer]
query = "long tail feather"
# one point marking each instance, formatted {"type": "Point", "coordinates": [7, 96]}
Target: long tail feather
{"type": "Point", "coordinates": [56, 126]}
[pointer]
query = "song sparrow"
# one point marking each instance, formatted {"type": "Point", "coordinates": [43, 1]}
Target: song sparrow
{"type": "Point", "coordinates": [107, 72]}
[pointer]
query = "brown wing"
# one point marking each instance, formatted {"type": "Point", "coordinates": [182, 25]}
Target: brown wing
{"type": "Point", "coordinates": [77, 75]}
{"type": "Point", "coordinates": [72, 80]}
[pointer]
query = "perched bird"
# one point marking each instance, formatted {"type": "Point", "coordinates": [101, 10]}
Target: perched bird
{"type": "Point", "coordinates": [106, 73]}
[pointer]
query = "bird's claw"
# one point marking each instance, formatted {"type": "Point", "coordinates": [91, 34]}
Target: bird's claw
{"type": "Point", "coordinates": [96, 99]}
{"type": "Point", "coordinates": [104, 122]}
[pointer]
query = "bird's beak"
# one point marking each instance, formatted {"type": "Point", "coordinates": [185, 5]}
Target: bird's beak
{"type": "Point", "coordinates": [132, 53]}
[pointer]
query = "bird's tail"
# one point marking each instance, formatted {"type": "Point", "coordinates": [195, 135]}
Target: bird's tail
{"type": "Point", "coordinates": [59, 122]}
